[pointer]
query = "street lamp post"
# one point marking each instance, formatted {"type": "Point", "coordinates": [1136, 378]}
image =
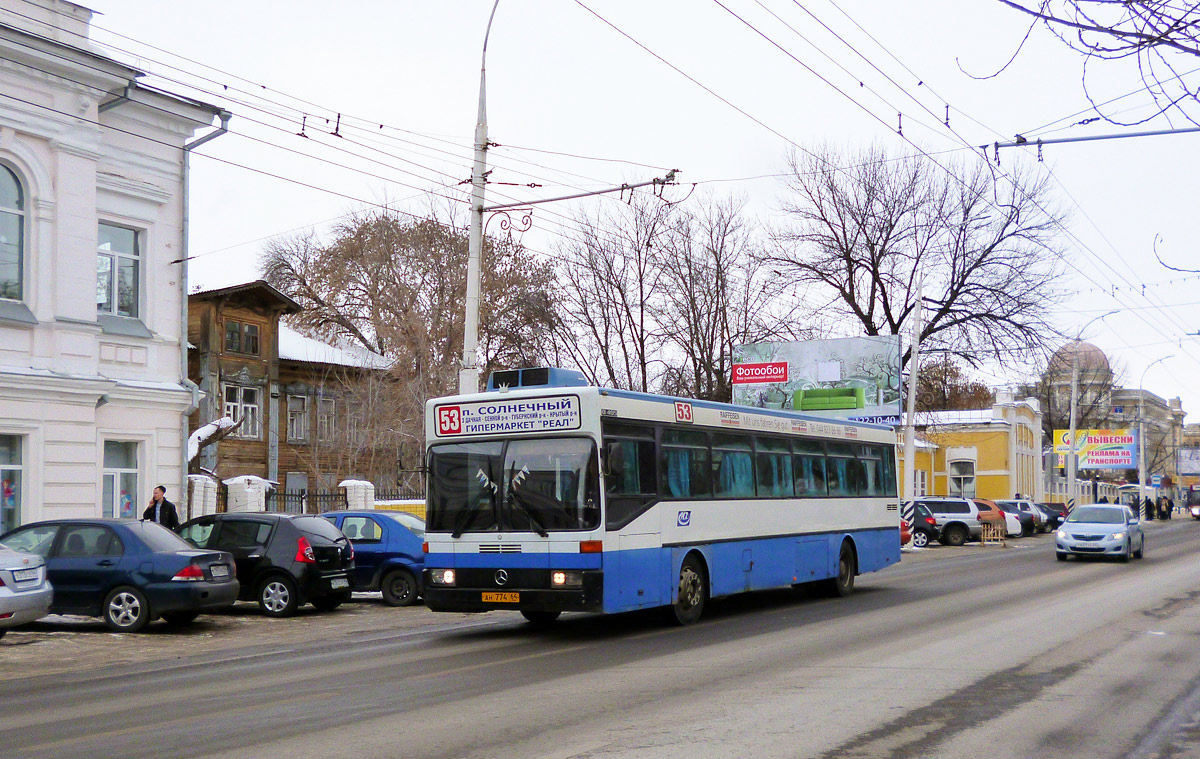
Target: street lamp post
{"type": "Point", "coordinates": [1141, 442]}
{"type": "Point", "coordinates": [1072, 484]}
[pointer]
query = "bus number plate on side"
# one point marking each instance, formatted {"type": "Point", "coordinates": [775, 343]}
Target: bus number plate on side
{"type": "Point", "coordinates": [502, 598]}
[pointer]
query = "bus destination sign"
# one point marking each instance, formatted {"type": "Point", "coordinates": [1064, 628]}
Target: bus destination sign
{"type": "Point", "coordinates": [499, 417]}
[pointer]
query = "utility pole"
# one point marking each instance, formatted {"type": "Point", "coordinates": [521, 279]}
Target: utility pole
{"type": "Point", "coordinates": [468, 374]}
{"type": "Point", "coordinates": [910, 428]}
{"type": "Point", "coordinates": [1141, 441]}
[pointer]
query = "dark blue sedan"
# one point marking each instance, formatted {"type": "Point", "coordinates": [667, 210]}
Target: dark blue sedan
{"type": "Point", "coordinates": [389, 554]}
{"type": "Point", "coordinates": [127, 571]}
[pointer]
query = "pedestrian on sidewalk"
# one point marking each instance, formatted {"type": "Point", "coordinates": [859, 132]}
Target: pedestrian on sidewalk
{"type": "Point", "coordinates": [1148, 508]}
{"type": "Point", "coordinates": [161, 510]}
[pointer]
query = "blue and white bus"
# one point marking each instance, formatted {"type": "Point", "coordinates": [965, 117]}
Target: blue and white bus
{"type": "Point", "coordinates": [546, 495]}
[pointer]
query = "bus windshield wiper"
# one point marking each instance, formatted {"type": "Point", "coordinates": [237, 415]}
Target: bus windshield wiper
{"type": "Point", "coordinates": [514, 480]}
{"type": "Point", "coordinates": [464, 516]}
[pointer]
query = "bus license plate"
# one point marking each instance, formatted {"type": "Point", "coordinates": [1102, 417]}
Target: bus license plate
{"type": "Point", "coordinates": [339, 582]}
{"type": "Point", "coordinates": [502, 598]}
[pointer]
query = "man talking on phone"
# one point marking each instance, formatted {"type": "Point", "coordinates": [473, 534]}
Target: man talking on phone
{"type": "Point", "coordinates": [161, 510]}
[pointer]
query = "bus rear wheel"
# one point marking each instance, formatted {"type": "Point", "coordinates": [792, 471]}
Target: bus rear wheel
{"type": "Point", "coordinates": [843, 585]}
{"type": "Point", "coordinates": [693, 592]}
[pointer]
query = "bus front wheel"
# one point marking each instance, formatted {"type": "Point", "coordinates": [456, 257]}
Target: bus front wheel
{"type": "Point", "coordinates": [693, 592]}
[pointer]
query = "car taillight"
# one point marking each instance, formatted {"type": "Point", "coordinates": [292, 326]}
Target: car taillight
{"type": "Point", "coordinates": [304, 551]}
{"type": "Point", "coordinates": [190, 573]}
{"type": "Point", "coordinates": [351, 544]}
{"type": "Point", "coordinates": [930, 521]}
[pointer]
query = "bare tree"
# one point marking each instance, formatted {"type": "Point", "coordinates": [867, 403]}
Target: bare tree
{"type": "Point", "coordinates": [718, 296]}
{"type": "Point", "coordinates": [608, 283]}
{"type": "Point", "coordinates": [1159, 35]}
{"type": "Point", "coordinates": [942, 386]}
{"type": "Point", "coordinates": [856, 238]}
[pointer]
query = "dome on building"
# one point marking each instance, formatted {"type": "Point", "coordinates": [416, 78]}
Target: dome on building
{"type": "Point", "coordinates": [1091, 359]}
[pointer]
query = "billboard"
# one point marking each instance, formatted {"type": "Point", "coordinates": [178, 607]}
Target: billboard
{"type": "Point", "coordinates": [850, 378]}
{"type": "Point", "coordinates": [1099, 449]}
{"type": "Point", "coordinates": [1189, 461]}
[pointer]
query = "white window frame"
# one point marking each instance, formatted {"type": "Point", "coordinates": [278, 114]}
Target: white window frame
{"type": "Point", "coordinates": [326, 408]}
{"type": "Point", "coordinates": [297, 419]}
{"type": "Point", "coordinates": [117, 473]}
{"type": "Point", "coordinates": [114, 259]}
{"type": "Point", "coordinates": [921, 482]}
{"type": "Point", "coordinates": [238, 409]}
{"type": "Point", "coordinates": [957, 483]}
{"type": "Point", "coordinates": [22, 231]}
{"type": "Point", "coordinates": [18, 490]}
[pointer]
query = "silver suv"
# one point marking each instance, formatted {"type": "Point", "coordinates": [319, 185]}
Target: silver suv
{"type": "Point", "coordinates": [958, 518]}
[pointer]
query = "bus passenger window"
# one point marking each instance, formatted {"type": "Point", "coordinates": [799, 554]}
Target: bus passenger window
{"type": "Point", "coordinates": [733, 467]}
{"type": "Point", "coordinates": [774, 467]}
{"type": "Point", "coordinates": [630, 467]}
{"type": "Point", "coordinates": [684, 464]}
{"type": "Point", "coordinates": [809, 475]}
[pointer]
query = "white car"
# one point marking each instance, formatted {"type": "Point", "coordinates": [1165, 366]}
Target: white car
{"type": "Point", "coordinates": [25, 593]}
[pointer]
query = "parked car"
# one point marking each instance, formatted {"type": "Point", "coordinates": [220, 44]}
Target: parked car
{"type": "Point", "coordinates": [129, 572]}
{"type": "Point", "coordinates": [1054, 517]}
{"type": "Point", "coordinates": [989, 511]}
{"type": "Point", "coordinates": [925, 526]}
{"type": "Point", "coordinates": [1028, 523]}
{"type": "Point", "coordinates": [282, 560]}
{"type": "Point", "coordinates": [1101, 529]}
{"type": "Point", "coordinates": [1039, 519]}
{"type": "Point", "coordinates": [388, 552]}
{"type": "Point", "coordinates": [958, 518]}
{"type": "Point", "coordinates": [25, 591]}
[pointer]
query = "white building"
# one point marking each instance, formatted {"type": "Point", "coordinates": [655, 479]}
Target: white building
{"type": "Point", "coordinates": [93, 390]}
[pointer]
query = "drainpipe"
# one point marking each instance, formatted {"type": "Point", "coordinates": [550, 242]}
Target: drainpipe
{"type": "Point", "coordinates": [185, 254]}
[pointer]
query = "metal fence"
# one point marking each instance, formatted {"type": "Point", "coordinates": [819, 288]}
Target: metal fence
{"type": "Point", "coordinates": [405, 494]}
{"type": "Point", "coordinates": [305, 502]}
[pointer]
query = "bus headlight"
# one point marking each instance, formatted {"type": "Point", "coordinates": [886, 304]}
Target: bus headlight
{"type": "Point", "coordinates": [444, 577]}
{"type": "Point", "coordinates": [566, 578]}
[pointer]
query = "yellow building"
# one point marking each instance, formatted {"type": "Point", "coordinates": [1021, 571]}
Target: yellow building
{"type": "Point", "coordinates": [991, 453]}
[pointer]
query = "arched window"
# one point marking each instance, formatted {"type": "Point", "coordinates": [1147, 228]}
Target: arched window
{"type": "Point", "coordinates": [12, 234]}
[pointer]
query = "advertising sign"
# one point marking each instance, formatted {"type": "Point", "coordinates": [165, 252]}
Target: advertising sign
{"type": "Point", "coordinates": [1189, 461]}
{"type": "Point", "coordinates": [1099, 449]}
{"type": "Point", "coordinates": [850, 378]}
{"type": "Point", "coordinates": [507, 416]}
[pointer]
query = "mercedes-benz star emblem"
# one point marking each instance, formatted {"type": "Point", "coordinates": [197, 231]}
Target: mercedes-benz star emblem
{"type": "Point", "coordinates": [501, 577]}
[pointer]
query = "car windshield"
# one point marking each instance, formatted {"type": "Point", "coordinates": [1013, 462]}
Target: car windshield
{"type": "Point", "coordinates": [534, 485]}
{"type": "Point", "coordinates": [1097, 515]}
{"type": "Point", "coordinates": [158, 538]}
{"type": "Point", "coordinates": [316, 527]}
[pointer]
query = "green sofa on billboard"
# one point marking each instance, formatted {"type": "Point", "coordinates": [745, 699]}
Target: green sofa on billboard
{"type": "Point", "coordinates": [829, 398]}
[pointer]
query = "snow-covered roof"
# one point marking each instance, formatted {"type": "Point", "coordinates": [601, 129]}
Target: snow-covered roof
{"type": "Point", "coordinates": [294, 346]}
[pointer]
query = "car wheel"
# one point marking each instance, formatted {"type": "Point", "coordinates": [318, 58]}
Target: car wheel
{"type": "Point", "coordinates": [1140, 553]}
{"type": "Point", "coordinates": [541, 618]}
{"type": "Point", "coordinates": [693, 592]}
{"type": "Point", "coordinates": [955, 535]}
{"type": "Point", "coordinates": [920, 539]}
{"type": "Point", "coordinates": [277, 596]}
{"type": "Point", "coordinates": [399, 588]}
{"type": "Point", "coordinates": [1060, 556]}
{"type": "Point", "coordinates": [126, 610]}
{"type": "Point", "coordinates": [1128, 551]}
{"type": "Point", "coordinates": [329, 603]}
{"type": "Point", "coordinates": [2, 631]}
{"type": "Point", "coordinates": [843, 585]}
{"type": "Point", "coordinates": [180, 618]}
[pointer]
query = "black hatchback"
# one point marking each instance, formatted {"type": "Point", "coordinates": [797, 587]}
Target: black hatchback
{"type": "Point", "coordinates": [283, 560]}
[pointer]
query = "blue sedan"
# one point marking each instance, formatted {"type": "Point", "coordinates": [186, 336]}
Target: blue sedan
{"type": "Point", "coordinates": [127, 571]}
{"type": "Point", "coordinates": [1101, 530]}
{"type": "Point", "coordinates": [389, 553]}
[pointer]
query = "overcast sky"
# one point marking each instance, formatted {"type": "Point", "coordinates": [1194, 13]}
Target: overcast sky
{"type": "Point", "coordinates": [561, 79]}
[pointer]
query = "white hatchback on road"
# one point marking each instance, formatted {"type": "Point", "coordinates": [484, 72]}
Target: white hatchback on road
{"type": "Point", "coordinates": [25, 593]}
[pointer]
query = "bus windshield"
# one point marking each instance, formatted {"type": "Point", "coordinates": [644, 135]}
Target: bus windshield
{"type": "Point", "coordinates": [531, 485]}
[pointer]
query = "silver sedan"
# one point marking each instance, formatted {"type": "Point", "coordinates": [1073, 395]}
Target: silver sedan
{"type": "Point", "coordinates": [1101, 529]}
{"type": "Point", "coordinates": [25, 593]}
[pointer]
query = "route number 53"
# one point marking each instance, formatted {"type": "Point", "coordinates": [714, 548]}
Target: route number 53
{"type": "Point", "coordinates": [449, 420]}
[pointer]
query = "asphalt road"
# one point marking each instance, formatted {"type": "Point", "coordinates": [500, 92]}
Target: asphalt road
{"type": "Point", "coordinates": [984, 652]}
